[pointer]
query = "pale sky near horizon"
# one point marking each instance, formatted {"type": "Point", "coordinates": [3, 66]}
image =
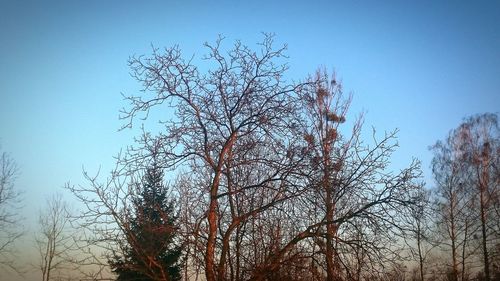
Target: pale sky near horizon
{"type": "Point", "coordinates": [420, 66]}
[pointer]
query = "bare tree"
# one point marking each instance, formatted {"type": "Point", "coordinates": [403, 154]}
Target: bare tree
{"type": "Point", "coordinates": [348, 186]}
{"type": "Point", "coordinates": [479, 138]}
{"type": "Point", "coordinates": [9, 205]}
{"type": "Point", "coordinates": [420, 235]}
{"type": "Point", "coordinates": [465, 168]}
{"type": "Point", "coordinates": [54, 240]}
{"type": "Point", "coordinates": [234, 119]}
{"type": "Point", "coordinates": [326, 111]}
{"type": "Point", "coordinates": [453, 204]}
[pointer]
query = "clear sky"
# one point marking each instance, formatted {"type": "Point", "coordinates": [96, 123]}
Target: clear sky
{"type": "Point", "coordinates": [414, 65]}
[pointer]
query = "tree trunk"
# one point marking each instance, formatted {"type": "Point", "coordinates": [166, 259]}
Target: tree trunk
{"type": "Point", "coordinates": [420, 255]}
{"type": "Point", "coordinates": [453, 237]}
{"type": "Point", "coordinates": [484, 235]}
{"type": "Point", "coordinates": [330, 263]}
{"type": "Point", "coordinates": [212, 231]}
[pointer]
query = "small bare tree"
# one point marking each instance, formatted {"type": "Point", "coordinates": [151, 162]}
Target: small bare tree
{"type": "Point", "coordinates": [453, 204]}
{"type": "Point", "coordinates": [420, 234]}
{"type": "Point", "coordinates": [54, 241]}
{"type": "Point", "coordinates": [9, 204]}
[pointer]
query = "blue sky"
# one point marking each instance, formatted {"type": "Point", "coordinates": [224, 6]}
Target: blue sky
{"type": "Point", "coordinates": [414, 65]}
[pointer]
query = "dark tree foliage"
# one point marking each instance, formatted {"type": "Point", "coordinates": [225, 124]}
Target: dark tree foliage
{"type": "Point", "coordinates": [153, 253]}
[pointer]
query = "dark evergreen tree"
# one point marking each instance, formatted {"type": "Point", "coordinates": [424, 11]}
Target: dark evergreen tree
{"type": "Point", "coordinates": [151, 251]}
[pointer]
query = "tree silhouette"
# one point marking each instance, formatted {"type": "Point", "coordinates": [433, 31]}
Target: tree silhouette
{"type": "Point", "coordinates": [152, 252]}
{"type": "Point", "coordinates": [9, 219]}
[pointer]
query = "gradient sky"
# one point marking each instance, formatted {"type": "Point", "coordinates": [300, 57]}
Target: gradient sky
{"type": "Point", "coordinates": [417, 66]}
